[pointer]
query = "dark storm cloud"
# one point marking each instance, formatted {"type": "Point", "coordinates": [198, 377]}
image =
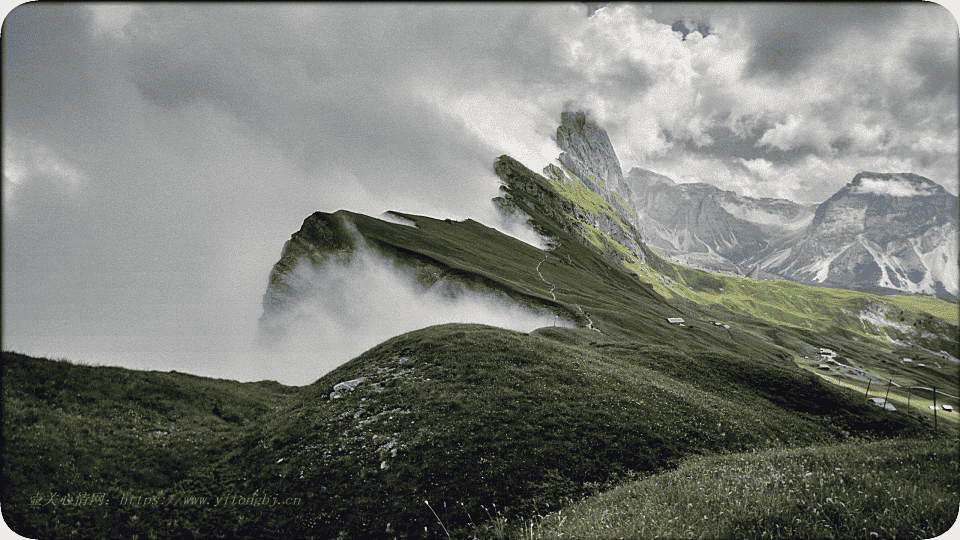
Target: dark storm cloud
{"type": "Point", "coordinates": [688, 26]}
{"type": "Point", "coordinates": [726, 142]}
{"type": "Point", "coordinates": [626, 81]}
{"type": "Point", "coordinates": [354, 78]}
{"type": "Point", "coordinates": [936, 66]}
{"type": "Point", "coordinates": [348, 104]}
{"type": "Point", "coordinates": [787, 38]}
{"type": "Point", "coordinates": [43, 57]}
{"type": "Point", "coordinates": [168, 80]}
{"type": "Point", "coordinates": [732, 145]}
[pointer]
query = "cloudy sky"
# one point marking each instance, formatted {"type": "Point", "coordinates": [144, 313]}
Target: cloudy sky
{"type": "Point", "coordinates": [156, 157]}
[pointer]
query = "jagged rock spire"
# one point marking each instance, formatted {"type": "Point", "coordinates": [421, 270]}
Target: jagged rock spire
{"type": "Point", "coordinates": [587, 152]}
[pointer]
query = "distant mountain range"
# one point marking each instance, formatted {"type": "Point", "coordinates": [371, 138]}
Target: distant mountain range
{"type": "Point", "coordinates": [881, 233]}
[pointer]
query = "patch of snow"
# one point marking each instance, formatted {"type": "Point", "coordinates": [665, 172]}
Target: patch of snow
{"type": "Point", "coordinates": [822, 267]}
{"type": "Point", "coordinates": [941, 264]}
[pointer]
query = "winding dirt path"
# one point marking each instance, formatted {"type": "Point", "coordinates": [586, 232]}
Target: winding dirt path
{"type": "Point", "coordinates": [589, 320]}
{"type": "Point", "coordinates": [552, 287]}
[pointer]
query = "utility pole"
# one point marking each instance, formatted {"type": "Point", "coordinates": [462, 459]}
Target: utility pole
{"type": "Point", "coordinates": [935, 411]}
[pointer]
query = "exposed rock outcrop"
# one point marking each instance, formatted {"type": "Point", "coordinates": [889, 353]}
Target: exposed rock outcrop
{"type": "Point", "coordinates": [588, 153]}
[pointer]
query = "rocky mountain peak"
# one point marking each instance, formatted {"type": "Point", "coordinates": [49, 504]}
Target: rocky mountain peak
{"type": "Point", "coordinates": [893, 231]}
{"type": "Point", "coordinates": [588, 153]}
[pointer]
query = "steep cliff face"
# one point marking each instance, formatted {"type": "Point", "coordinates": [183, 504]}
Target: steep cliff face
{"type": "Point", "coordinates": [322, 238]}
{"type": "Point", "coordinates": [886, 230]}
{"type": "Point", "coordinates": [700, 218]}
{"type": "Point", "coordinates": [588, 153]}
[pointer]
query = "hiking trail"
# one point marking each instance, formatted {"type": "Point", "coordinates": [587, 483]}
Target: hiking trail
{"type": "Point", "coordinates": [552, 287]}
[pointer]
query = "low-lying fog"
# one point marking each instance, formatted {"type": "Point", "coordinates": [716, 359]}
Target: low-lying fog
{"type": "Point", "coordinates": [346, 307]}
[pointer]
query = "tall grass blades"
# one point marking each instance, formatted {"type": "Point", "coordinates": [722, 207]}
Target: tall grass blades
{"type": "Point", "coordinates": [888, 489]}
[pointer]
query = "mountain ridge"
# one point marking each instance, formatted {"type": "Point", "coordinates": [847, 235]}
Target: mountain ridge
{"type": "Point", "coordinates": [704, 226]}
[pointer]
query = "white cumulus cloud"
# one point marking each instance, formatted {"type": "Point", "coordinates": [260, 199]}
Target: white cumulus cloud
{"type": "Point", "coordinates": [895, 187]}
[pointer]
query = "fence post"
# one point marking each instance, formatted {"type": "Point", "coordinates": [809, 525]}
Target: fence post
{"type": "Point", "coordinates": [867, 393]}
{"type": "Point", "coordinates": [908, 398]}
{"type": "Point", "coordinates": [888, 394]}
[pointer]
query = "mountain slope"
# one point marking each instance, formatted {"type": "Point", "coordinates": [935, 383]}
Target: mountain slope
{"type": "Point", "coordinates": [575, 281]}
{"type": "Point", "coordinates": [560, 203]}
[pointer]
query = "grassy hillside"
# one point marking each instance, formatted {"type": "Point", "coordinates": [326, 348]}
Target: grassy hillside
{"type": "Point", "coordinates": [72, 430]}
{"type": "Point", "coordinates": [934, 306]}
{"type": "Point", "coordinates": [468, 417]}
{"type": "Point", "coordinates": [473, 419]}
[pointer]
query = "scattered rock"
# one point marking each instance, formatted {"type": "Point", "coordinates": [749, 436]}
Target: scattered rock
{"type": "Point", "coordinates": [340, 388]}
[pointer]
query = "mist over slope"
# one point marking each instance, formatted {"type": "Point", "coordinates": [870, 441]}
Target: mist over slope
{"type": "Point", "coordinates": [346, 282]}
